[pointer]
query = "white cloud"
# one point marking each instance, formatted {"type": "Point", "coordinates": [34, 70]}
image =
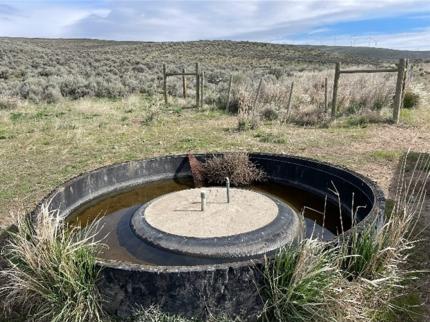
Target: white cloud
{"type": "Point", "coordinates": [416, 40]}
{"type": "Point", "coordinates": [260, 20]}
{"type": "Point", "coordinates": [318, 31]}
{"type": "Point", "coordinates": [33, 19]}
{"type": "Point", "coordinates": [419, 40]}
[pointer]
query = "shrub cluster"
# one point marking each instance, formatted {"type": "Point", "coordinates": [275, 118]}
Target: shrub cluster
{"type": "Point", "coordinates": [411, 99]}
{"type": "Point", "coordinates": [236, 166]}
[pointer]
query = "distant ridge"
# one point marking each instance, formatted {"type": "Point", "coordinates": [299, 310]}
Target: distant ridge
{"type": "Point", "coordinates": [217, 50]}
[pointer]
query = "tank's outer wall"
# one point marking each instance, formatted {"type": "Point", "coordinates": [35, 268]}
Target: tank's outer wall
{"type": "Point", "coordinates": [225, 290]}
{"type": "Point", "coordinates": [195, 290]}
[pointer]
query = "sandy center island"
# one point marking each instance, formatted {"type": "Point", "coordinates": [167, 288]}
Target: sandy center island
{"type": "Point", "coordinates": [179, 213]}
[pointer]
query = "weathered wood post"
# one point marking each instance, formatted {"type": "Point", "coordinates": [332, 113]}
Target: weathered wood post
{"type": "Point", "coordinates": [165, 84]}
{"type": "Point", "coordinates": [227, 105]}
{"type": "Point", "coordinates": [399, 86]}
{"type": "Point", "coordinates": [325, 95]}
{"type": "Point", "coordinates": [335, 88]}
{"type": "Point", "coordinates": [257, 95]}
{"type": "Point", "coordinates": [405, 80]}
{"type": "Point", "coordinates": [184, 84]}
{"type": "Point", "coordinates": [202, 90]}
{"type": "Point", "coordinates": [290, 98]}
{"type": "Point", "coordinates": [197, 85]}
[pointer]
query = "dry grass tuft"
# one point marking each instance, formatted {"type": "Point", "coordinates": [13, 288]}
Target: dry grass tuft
{"type": "Point", "coordinates": [247, 109]}
{"type": "Point", "coordinates": [52, 273]}
{"type": "Point", "coordinates": [8, 103]}
{"type": "Point", "coordinates": [310, 117]}
{"type": "Point", "coordinates": [155, 314]}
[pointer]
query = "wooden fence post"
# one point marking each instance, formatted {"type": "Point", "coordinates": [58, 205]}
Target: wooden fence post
{"type": "Point", "coordinates": [289, 99]}
{"type": "Point", "coordinates": [399, 86]}
{"type": "Point", "coordinates": [405, 80]}
{"type": "Point", "coordinates": [325, 95]}
{"type": "Point", "coordinates": [335, 88]}
{"type": "Point", "coordinates": [197, 85]}
{"type": "Point", "coordinates": [227, 106]}
{"type": "Point", "coordinates": [165, 84]}
{"type": "Point", "coordinates": [184, 84]}
{"type": "Point", "coordinates": [257, 95]}
{"type": "Point", "coordinates": [202, 91]}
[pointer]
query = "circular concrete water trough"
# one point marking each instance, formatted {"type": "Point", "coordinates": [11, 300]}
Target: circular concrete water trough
{"type": "Point", "coordinates": [228, 288]}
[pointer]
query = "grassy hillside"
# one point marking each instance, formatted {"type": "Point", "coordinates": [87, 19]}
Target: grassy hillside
{"type": "Point", "coordinates": [48, 70]}
{"type": "Point", "coordinates": [248, 53]}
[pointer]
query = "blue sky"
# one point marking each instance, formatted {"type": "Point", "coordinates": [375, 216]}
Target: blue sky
{"type": "Point", "coordinates": [398, 24]}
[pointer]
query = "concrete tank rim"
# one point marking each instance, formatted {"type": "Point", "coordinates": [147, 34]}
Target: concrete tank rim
{"type": "Point", "coordinates": [377, 209]}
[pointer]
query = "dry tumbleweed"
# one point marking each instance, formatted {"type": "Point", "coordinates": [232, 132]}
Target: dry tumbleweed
{"type": "Point", "coordinates": [235, 166]}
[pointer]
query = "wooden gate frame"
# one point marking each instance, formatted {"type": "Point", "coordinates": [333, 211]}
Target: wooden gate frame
{"type": "Point", "coordinates": [199, 83]}
{"type": "Point", "coordinates": [400, 85]}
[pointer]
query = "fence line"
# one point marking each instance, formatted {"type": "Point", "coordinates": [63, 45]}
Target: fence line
{"type": "Point", "coordinates": [401, 70]}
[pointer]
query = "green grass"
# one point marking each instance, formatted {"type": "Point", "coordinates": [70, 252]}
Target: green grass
{"type": "Point", "coordinates": [407, 116]}
{"type": "Point", "coordinates": [267, 137]}
{"type": "Point", "coordinates": [385, 155]}
{"type": "Point", "coordinates": [417, 161]}
{"type": "Point", "coordinates": [299, 283]}
{"type": "Point", "coordinates": [15, 117]}
{"type": "Point", "coordinates": [360, 120]}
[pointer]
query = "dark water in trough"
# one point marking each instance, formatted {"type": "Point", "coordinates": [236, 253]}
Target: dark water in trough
{"type": "Point", "coordinates": [115, 212]}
